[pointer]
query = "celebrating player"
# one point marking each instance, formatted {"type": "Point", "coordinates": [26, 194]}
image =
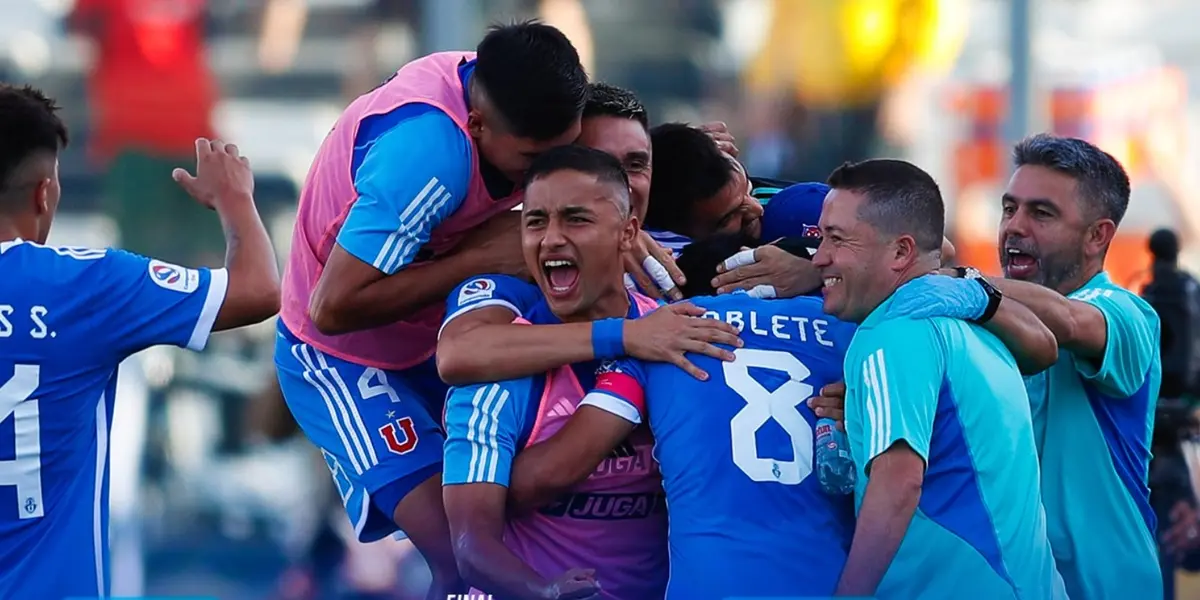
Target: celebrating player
{"type": "Point", "coordinates": [68, 317]}
{"type": "Point", "coordinates": [478, 342]}
{"type": "Point", "coordinates": [576, 223]}
{"type": "Point", "coordinates": [408, 196]}
{"type": "Point", "coordinates": [747, 516]}
{"type": "Point", "coordinates": [949, 495]}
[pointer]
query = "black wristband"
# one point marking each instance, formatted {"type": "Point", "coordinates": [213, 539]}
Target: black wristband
{"type": "Point", "coordinates": [994, 298]}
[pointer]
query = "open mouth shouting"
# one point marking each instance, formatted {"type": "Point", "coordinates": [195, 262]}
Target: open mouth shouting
{"type": "Point", "coordinates": [1018, 262]}
{"type": "Point", "coordinates": [562, 275]}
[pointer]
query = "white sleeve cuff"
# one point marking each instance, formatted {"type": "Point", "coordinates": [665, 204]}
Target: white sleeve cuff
{"type": "Point", "coordinates": [218, 284]}
{"type": "Point", "coordinates": [476, 306]}
{"type": "Point", "coordinates": [612, 404]}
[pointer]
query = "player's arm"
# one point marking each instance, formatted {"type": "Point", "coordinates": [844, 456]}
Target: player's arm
{"type": "Point", "coordinates": [606, 416]}
{"type": "Point", "coordinates": [413, 177]}
{"type": "Point", "coordinates": [1112, 340]}
{"type": "Point", "coordinates": [482, 427]}
{"type": "Point", "coordinates": [485, 344]}
{"type": "Point", "coordinates": [892, 395]}
{"type": "Point", "coordinates": [145, 302]}
{"type": "Point", "coordinates": [1031, 343]}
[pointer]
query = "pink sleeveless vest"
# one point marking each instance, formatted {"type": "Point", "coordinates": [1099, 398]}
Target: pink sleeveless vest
{"type": "Point", "coordinates": [615, 521]}
{"type": "Point", "coordinates": [329, 193]}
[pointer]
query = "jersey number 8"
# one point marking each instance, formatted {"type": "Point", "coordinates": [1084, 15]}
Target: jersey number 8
{"type": "Point", "coordinates": [762, 406]}
{"type": "Point", "coordinates": [24, 470]}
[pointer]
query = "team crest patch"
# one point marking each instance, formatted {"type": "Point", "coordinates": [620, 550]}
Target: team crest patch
{"type": "Point", "coordinates": [811, 231]}
{"type": "Point", "coordinates": [476, 289]}
{"type": "Point", "coordinates": [174, 277]}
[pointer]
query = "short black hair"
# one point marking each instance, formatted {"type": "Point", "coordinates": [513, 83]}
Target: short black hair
{"type": "Point", "coordinates": [1102, 183]}
{"type": "Point", "coordinates": [901, 199]}
{"type": "Point", "coordinates": [531, 73]}
{"type": "Point", "coordinates": [29, 124]}
{"type": "Point", "coordinates": [606, 100]}
{"type": "Point", "coordinates": [699, 260]}
{"type": "Point", "coordinates": [1164, 245]}
{"type": "Point", "coordinates": [689, 168]}
{"type": "Point", "coordinates": [603, 165]}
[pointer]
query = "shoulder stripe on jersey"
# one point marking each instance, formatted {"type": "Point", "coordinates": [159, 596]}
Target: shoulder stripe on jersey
{"type": "Point", "coordinates": [417, 205]}
{"type": "Point", "coordinates": [879, 409]}
{"type": "Point", "coordinates": [343, 414]}
{"type": "Point", "coordinates": [481, 433]}
{"type": "Point", "coordinates": [409, 245]}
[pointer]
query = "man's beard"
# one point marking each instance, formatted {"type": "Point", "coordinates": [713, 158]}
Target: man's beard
{"type": "Point", "coordinates": [1062, 267]}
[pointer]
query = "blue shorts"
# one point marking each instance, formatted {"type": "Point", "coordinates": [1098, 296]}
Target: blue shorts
{"type": "Point", "coordinates": [374, 427]}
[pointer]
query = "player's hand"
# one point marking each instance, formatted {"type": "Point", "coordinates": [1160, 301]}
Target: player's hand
{"type": "Point", "coordinates": [767, 272]}
{"type": "Point", "coordinates": [1184, 532]}
{"type": "Point", "coordinates": [671, 331]}
{"type": "Point", "coordinates": [497, 244]}
{"type": "Point", "coordinates": [719, 132]}
{"type": "Point", "coordinates": [222, 174]}
{"type": "Point", "coordinates": [831, 402]}
{"type": "Point", "coordinates": [576, 584]}
{"type": "Point", "coordinates": [653, 268]}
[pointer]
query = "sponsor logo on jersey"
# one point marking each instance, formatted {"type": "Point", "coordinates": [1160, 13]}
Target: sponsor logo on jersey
{"type": "Point", "coordinates": [607, 507]}
{"type": "Point", "coordinates": [811, 231]}
{"type": "Point", "coordinates": [475, 290]}
{"type": "Point", "coordinates": [174, 277]}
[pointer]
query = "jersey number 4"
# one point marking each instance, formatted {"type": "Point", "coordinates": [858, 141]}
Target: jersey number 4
{"type": "Point", "coordinates": [24, 470]}
{"type": "Point", "coordinates": [762, 406]}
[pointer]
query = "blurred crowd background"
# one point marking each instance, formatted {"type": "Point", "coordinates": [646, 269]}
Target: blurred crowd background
{"type": "Point", "coordinates": [213, 492]}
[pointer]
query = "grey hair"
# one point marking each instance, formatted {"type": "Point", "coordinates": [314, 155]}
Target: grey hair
{"type": "Point", "coordinates": [1102, 183]}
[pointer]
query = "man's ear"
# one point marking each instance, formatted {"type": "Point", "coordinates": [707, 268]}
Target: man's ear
{"type": "Point", "coordinates": [41, 196]}
{"type": "Point", "coordinates": [1099, 236]}
{"type": "Point", "coordinates": [475, 123]}
{"type": "Point", "coordinates": [629, 233]}
{"type": "Point", "coordinates": [905, 252]}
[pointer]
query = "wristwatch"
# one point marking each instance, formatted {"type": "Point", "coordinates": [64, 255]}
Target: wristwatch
{"type": "Point", "coordinates": [993, 295]}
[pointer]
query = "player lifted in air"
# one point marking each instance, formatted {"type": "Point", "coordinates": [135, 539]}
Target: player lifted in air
{"type": "Point", "coordinates": [68, 317]}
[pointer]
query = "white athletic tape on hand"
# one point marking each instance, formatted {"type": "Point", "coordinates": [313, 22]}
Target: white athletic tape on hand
{"type": "Point", "coordinates": [741, 259]}
{"type": "Point", "coordinates": [658, 273]}
{"type": "Point", "coordinates": [763, 291]}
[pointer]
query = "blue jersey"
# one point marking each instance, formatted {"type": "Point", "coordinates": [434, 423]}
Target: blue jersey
{"type": "Point", "coordinates": [748, 517]}
{"type": "Point", "coordinates": [487, 424]}
{"type": "Point", "coordinates": [68, 317]}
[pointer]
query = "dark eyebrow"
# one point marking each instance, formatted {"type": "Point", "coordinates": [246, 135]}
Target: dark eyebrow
{"type": "Point", "coordinates": [575, 210]}
{"type": "Point", "coordinates": [637, 154]}
{"type": "Point", "coordinates": [534, 212]}
{"type": "Point", "coordinates": [1043, 203]}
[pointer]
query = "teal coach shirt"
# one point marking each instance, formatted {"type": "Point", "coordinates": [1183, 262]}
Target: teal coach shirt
{"type": "Point", "coordinates": [952, 392]}
{"type": "Point", "coordinates": [1093, 423]}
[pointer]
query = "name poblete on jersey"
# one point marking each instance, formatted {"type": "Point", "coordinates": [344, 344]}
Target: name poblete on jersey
{"type": "Point", "coordinates": [174, 277]}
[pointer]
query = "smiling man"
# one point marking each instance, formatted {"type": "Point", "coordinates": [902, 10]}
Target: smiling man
{"type": "Point", "coordinates": [939, 426]}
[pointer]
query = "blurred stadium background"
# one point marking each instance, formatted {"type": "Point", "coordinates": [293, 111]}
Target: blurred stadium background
{"type": "Point", "coordinates": [213, 494]}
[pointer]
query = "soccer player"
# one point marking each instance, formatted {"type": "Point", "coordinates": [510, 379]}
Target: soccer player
{"type": "Point", "coordinates": [68, 317]}
{"type": "Point", "coordinates": [409, 195]}
{"type": "Point", "coordinates": [747, 515]}
{"type": "Point", "coordinates": [948, 489]}
{"type": "Point", "coordinates": [1093, 411]}
{"type": "Point", "coordinates": [478, 330]}
{"type": "Point", "coordinates": [608, 535]}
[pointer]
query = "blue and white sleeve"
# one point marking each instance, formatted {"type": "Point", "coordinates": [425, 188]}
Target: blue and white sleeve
{"type": "Point", "coordinates": [148, 302]}
{"type": "Point", "coordinates": [620, 389]}
{"type": "Point", "coordinates": [483, 424]}
{"type": "Point", "coordinates": [412, 178]}
{"type": "Point", "coordinates": [491, 290]}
